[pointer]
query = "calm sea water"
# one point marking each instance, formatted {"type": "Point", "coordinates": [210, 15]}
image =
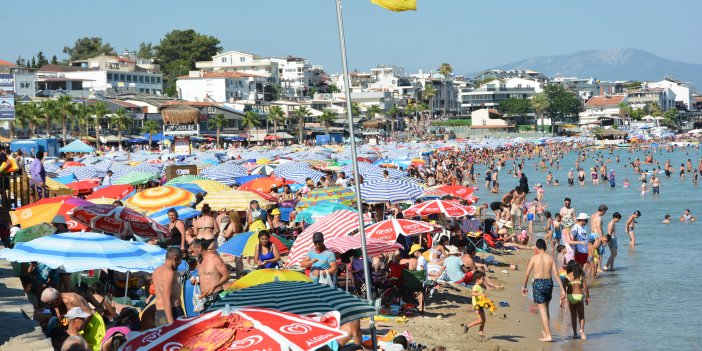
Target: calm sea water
{"type": "Point", "coordinates": [652, 301]}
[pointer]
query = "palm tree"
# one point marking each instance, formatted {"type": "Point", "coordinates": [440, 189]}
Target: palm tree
{"type": "Point", "coordinates": [121, 121]}
{"type": "Point", "coordinates": [82, 118]}
{"type": "Point", "coordinates": [355, 110]}
{"type": "Point", "coordinates": [373, 111]}
{"type": "Point", "coordinates": [49, 110]}
{"type": "Point", "coordinates": [27, 114]}
{"type": "Point", "coordinates": [393, 113]}
{"type": "Point", "coordinates": [275, 115]}
{"type": "Point", "coordinates": [100, 111]}
{"type": "Point", "coordinates": [541, 103]}
{"type": "Point", "coordinates": [445, 69]}
{"type": "Point", "coordinates": [422, 110]}
{"type": "Point", "coordinates": [151, 127]}
{"type": "Point", "coordinates": [218, 121]}
{"type": "Point", "coordinates": [326, 118]}
{"type": "Point", "coordinates": [20, 122]}
{"type": "Point", "coordinates": [427, 95]}
{"type": "Point", "coordinates": [250, 121]}
{"type": "Point", "coordinates": [65, 108]}
{"type": "Point", "coordinates": [300, 114]}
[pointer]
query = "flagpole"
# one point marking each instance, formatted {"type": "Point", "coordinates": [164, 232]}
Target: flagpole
{"type": "Point", "coordinates": [354, 162]}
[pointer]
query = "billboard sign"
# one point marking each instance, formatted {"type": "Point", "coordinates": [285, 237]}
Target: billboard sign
{"type": "Point", "coordinates": [7, 96]}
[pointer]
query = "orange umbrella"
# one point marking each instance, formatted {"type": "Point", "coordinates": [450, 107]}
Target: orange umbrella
{"type": "Point", "coordinates": [264, 184]}
{"type": "Point", "coordinates": [156, 199]}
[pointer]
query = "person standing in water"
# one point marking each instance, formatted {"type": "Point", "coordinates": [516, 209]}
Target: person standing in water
{"type": "Point", "coordinates": [630, 223]}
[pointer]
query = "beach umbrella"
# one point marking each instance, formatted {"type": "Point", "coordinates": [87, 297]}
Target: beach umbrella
{"type": "Point", "coordinates": [298, 174]}
{"type": "Point", "coordinates": [154, 199]}
{"type": "Point", "coordinates": [390, 190]}
{"type": "Point", "coordinates": [269, 275]}
{"type": "Point", "coordinates": [83, 186]}
{"type": "Point", "coordinates": [389, 230]}
{"type": "Point", "coordinates": [75, 252]}
{"type": "Point", "coordinates": [264, 184]}
{"type": "Point", "coordinates": [321, 209]}
{"type": "Point", "coordinates": [119, 220]}
{"type": "Point", "coordinates": [240, 329]}
{"type": "Point", "coordinates": [237, 200]}
{"type": "Point", "coordinates": [301, 298]}
{"type": "Point", "coordinates": [184, 212]}
{"type": "Point", "coordinates": [33, 232]}
{"type": "Point", "coordinates": [246, 179]}
{"type": "Point", "coordinates": [266, 170]}
{"type": "Point", "coordinates": [77, 146]}
{"type": "Point", "coordinates": [375, 247]}
{"type": "Point", "coordinates": [103, 166]}
{"type": "Point", "coordinates": [192, 188]}
{"type": "Point", "coordinates": [68, 178]}
{"type": "Point", "coordinates": [263, 161]}
{"type": "Point", "coordinates": [184, 179]}
{"type": "Point", "coordinates": [446, 208]}
{"type": "Point", "coordinates": [211, 186]}
{"type": "Point", "coordinates": [335, 194]}
{"type": "Point", "coordinates": [72, 164]}
{"type": "Point", "coordinates": [432, 193]}
{"type": "Point", "coordinates": [135, 178]}
{"type": "Point", "coordinates": [244, 244]}
{"type": "Point", "coordinates": [81, 173]}
{"type": "Point", "coordinates": [335, 224]}
{"type": "Point", "coordinates": [45, 210]}
{"type": "Point", "coordinates": [459, 191]}
{"type": "Point", "coordinates": [116, 192]}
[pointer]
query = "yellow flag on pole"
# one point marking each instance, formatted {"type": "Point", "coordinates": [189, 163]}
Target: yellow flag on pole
{"type": "Point", "coordinates": [397, 5]}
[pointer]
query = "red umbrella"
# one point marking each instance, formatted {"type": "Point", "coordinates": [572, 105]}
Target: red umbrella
{"type": "Point", "coordinates": [375, 247]}
{"type": "Point", "coordinates": [119, 220]}
{"type": "Point", "coordinates": [457, 190]}
{"type": "Point", "coordinates": [271, 137]}
{"type": "Point", "coordinates": [390, 229]}
{"type": "Point", "coordinates": [116, 192]}
{"type": "Point", "coordinates": [83, 186]}
{"type": "Point", "coordinates": [245, 329]}
{"type": "Point", "coordinates": [439, 207]}
{"type": "Point", "coordinates": [363, 159]}
{"type": "Point", "coordinates": [72, 164]}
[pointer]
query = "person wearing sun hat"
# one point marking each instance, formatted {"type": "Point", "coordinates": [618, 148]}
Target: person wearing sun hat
{"type": "Point", "coordinates": [579, 238]}
{"type": "Point", "coordinates": [415, 252]}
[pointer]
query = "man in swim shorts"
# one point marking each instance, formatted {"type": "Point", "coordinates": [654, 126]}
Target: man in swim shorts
{"type": "Point", "coordinates": [544, 269]}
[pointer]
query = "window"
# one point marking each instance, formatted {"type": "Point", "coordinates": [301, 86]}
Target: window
{"type": "Point", "coordinates": [141, 79]}
{"type": "Point", "coordinates": [158, 80]}
{"type": "Point", "coordinates": [224, 60]}
{"type": "Point", "coordinates": [109, 77]}
{"type": "Point", "coordinates": [129, 78]}
{"type": "Point", "coordinates": [242, 59]}
{"type": "Point", "coordinates": [121, 77]}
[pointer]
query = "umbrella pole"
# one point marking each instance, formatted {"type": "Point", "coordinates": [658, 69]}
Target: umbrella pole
{"type": "Point", "coordinates": [354, 162]}
{"type": "Point", "coordinates": [126, 287]}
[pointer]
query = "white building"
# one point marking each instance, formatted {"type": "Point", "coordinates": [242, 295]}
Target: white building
{"type": "Point", "coordinates": [640, 98]}
{"type": "Point", "coordinates": [220, 86]}
{"type": "Point", "coordinates": [683, 91]}
{"type": "Point", "coordinates": [489, 121]}
{"type": "Point", "coordinates": [602, 107]}
{"type": "Point", "coordinates": [242, 62]}
{"type": "Point", "coordinates": [489, 94]}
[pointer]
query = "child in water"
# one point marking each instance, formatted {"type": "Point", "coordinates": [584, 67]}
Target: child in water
{"type": "Point", "coordinates": [626, 182]}
{"type": "Point", "coordinates": [666, 219]}
{"type": "Point", "coordinates": [578, 296]}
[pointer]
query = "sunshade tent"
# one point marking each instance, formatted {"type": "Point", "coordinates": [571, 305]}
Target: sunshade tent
{"type": "Point", "coordinates": [77, 146]}
{"type": "Point", "coordinates": [238, 200]}
{"type": "Point", "coordinates": [155, 199]}
{"type": "Point", "coordinates": [75, 252]}
{"type": "Point", "coordinates": [285, 296]}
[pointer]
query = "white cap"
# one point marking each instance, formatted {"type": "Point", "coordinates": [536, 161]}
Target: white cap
{"type": "Point", "coordinates": [76, 312]}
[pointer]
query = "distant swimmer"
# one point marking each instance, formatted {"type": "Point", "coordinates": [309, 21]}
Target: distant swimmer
{"type": "Point", "coordinates": [687, 216]}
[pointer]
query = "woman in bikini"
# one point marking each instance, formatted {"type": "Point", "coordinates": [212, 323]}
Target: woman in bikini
{"type": "Point", "coordinates": [206, 228]}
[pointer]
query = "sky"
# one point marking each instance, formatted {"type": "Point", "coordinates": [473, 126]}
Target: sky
{"type": "Point", "coordinates": [471, 35]}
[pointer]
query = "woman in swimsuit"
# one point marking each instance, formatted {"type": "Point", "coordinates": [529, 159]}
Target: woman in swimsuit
{"type": "Point", "coordinates": [177, 230]}
{"type": "Point", "coordinates": [267, 255]}
{"type": "Point", "coordinates": [255, 217]}
{"type": "Point", "coordinates": [578, 296]}
{"type": "Point", "coordinates": [206, 228]}
{"type": "Point", "coordinates": [287, 198]}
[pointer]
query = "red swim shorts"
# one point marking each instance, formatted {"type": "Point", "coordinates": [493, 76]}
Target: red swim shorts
{"type": "Point", "coordinates": [581, 257]}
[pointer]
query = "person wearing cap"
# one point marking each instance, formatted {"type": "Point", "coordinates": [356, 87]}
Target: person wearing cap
{"type": "Point", "coordinates": [76, 320]}
{"type": "Point", "coordinates": [59, 222]}
{"type": "Point", "coordinates": [417, 261]}
{"type": "Point", "coordinates": [579, 239]}
{"type": "Point", "coordinates": [457, 273]}
{"type": "Point", "coordinates": [68, 305]}
{"type": "Point", "coordinates": [274, 222]}
{"type": "Point", "coordinates": [319, 258]}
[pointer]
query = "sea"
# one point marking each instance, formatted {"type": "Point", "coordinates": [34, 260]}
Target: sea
{"type": "Point", "coordinates": [652, 300]}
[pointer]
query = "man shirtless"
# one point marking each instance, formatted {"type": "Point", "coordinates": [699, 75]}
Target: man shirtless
{"type": "Point", "coordinates": [168, 304]}
{"type": "Point", "coordinates": [212, 272]}
{"type": "Point", "coordinates": [544, 268]}
{"type": "Point", "coordinates": [517, 204]}
{"type": "Point", "coordinates": [596, 232]}
{"type": "Point", "coordinates": [629, 225]}
{"type": "Point", "coordinates": [92, 324]}
{"type": "Point", "coordinates": [566, 210]}
{"type": "Point", "coordinates": [206, 227]}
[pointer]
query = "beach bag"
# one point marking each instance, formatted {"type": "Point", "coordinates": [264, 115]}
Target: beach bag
{"type": "Point", "coordinates": [198, 303]}
{"type": "Point", "coordinates": [325, 278]}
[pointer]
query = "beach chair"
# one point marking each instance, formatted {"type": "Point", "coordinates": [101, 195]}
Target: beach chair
{"type": "Point", "coordinates": [491, 242]}
{"type": "Point", "coordinates": [476, 240]}
{"type": "Point", "coordinates": [415, 284]}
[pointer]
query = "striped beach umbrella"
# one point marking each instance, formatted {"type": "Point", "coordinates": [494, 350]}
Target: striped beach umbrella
{"type": "Point", "coordinates": [390, 190]}
{"type": "Point", "coordinates": [299, 175]}
{"type": "Point", "coordinates": [375, 247]}
{"type": "Point", "coordinates": [184, 212]}
{"type": "Point", "coordinates": [320, 210]}
{"type": "Point", "coordinates": [135, 178]}
{"type": "Point", "coordinates": [81, 173]}
{"type": "Point", "coordinates": [268, 275]}
{"type": "Point", "coordinates": [335, 224]}
{"type": "Point", "coordinates": [184, 179]}
{"type": "Point", "coordinates": [266, 169]}
{"type": "Point", "coordinates": [75, 252]}
{"type": "Point", "coordinates": [390, 229]}
{"type": "Point", "coordinates": [446, 208]}
{"type": "Point", "coordinates": [211, 186]}
{"type": "Point", "coordinates": [244, 244]}
{"type": "Point", "coordinates": [103, 166]}
{"type": "Point", "coordinates": [344, 196]}
{"type": "Point", "coordinates": [155, 199]}
{"type": "Point", "coordinates": [238, 200]}
{"type": "Point", "coordinates": [285, 297]}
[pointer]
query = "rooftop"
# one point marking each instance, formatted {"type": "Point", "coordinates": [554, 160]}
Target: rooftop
{"type": "Point", "coordinates": [604, 100]}
{"type": "Point", "coordinates": [210, 75]}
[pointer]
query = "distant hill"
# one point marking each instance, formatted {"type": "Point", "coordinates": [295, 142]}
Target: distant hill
{"type": "Point", "coordinates": [618, 64]}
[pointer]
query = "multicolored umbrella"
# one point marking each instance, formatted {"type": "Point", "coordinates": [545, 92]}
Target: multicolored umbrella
{"type": "Point", "coordinates": [263, 276]}
{"type": "Point", "coordinates": [119, 220]}
{"type": "Point", "coordinates": [184, 179]}
{"type": "Point", "coordinates": [446, 208]}
{"type": "Point", "coordinates": [45, 210]}
{"type": "Point", "coordinates": [238, 200]}
{"type": "Point", "coordinates": [184, 212]}
{"type": "Point", "coordinates": [313, 213]}
{"type": "Point", "coordinates": [136, 178]}
{"type": "Point", "coordinates": [116, 192]}
{"type": "Point", "coordinates": [240, 329]}
{"type": "Point", "coordinates": [375, 247]}
{"type": "Point", "coordinates": [244, 244]}
{"type": "Point", "coordinates": [336, 194]}
{"type": "Point", "coordinates": [286, 297]}
{"type": "Point", "coordinates": [211, 186]}
{"type": "Point", "coordinates": [390, 229]}
{"type": "Point", "coordinates": [155, 199]}
{"type": "Point", "coordinates": [264, 184]}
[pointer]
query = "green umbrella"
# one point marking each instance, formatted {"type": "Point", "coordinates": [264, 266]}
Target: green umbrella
{"type": "Point", "coordinates": [33, 232]}
{"type": "Point", "coordinates": [185, 179]}
{"type": "Point", "coordinates": [321, 209]}
{"type": "Point", "coordinates": [136, 178]}
{"type": "Point", "coordinates": [299, 298]}
{"type": "Point", "coordinates": [336, 194]}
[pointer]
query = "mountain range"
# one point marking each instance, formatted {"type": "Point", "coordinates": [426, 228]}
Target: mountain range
{"type": "Point", "coordinates": [613, 65]}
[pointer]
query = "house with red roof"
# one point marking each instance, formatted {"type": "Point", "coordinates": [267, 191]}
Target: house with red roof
{"type": "Point", "coordinates": [603, 110]}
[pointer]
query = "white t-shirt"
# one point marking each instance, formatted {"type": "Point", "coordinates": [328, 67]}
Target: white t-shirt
{"type": "Point", "coordinates": [421, 263]}
{"type": "Point", "coordinates": [343, 182]}
{"type": "Point", "coordinates": [580, 234]}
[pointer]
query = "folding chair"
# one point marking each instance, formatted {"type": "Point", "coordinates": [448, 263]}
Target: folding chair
{"type": "Point", "coordinates": [491, 242]}
{"type": "Point", "coordinates": [416, 284]}
{"type": "Point", "coordinates": [476, 239]}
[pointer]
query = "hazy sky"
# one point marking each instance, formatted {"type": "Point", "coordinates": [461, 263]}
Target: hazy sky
{"type": "Point", "coordinates": [470, 34]}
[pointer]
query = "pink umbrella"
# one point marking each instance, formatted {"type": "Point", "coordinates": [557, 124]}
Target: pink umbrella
{"type": "Point", "coordinates": [446, 208]}
{"type": "Point", "coordinates": [375, 247]}
{"type": "Point", "coordinates": [388, 230]}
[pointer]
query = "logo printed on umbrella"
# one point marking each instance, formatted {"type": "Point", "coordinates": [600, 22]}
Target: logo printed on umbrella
{"type": "Point", "coordinates": [150, 337]}
{"type": "Point", "coordinates": [245, 343]}
{"type": "Point", "coordinates": [172, 346]}
{"type": "Point", "coordinates": [296, 329]}
{"type": "Point", "coordinates": [383, 231]}
{"type": "Point", "coordinates": [72, 224]}
{"type": "Point", "coordinates": [26, 213]}
{"type": "Point", "coordinates": [461, 191]}
{"type": "Point", "coordinates": [411, 226]}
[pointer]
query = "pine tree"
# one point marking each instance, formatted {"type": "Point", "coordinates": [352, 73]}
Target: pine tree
{"type": "Point", "coordinates": [54, 60]}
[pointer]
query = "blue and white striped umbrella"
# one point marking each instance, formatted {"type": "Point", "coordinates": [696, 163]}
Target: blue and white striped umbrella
{"type": "Point", "coordinates": [183, 214]}
{"type": "Point", "coordinates": [264, 170]}
{"type": "Point", "coordinates": [81, 173]}
{"type": "Point", "coordinates": [372, 172]}
{"type": "Point", "coordinates": [391, 190]}
{"type": "Point", "coordinates": [103, 166]}
{"type": "Point", "coordinates": [224, 173]}
{"type": "Point", "coordinates": [299, 175]}
{"type": "Point", "coordinates": [75, 252]}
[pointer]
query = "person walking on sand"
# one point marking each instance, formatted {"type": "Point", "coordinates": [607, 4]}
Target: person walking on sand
{"type": "Point", "coordinates": [478, 294]}
{"type": "Point", "coordinates": [544, 269]}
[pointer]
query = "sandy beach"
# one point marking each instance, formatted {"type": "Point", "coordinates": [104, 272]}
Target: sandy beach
{"type": "Point", "coordinates": [516, 327]}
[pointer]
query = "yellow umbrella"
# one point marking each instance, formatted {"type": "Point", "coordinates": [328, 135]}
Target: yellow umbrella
{"type": "Point", "coordinates": [133, 163]}
{"type": "Point", "coordinates": [263, 276]}
{"type": "Point", "coordinates": [211, 186]}
{"type": "Point", "coordinates": [55, 185]}
{"type": "Point", "coordinates": [238, 200]}
{"type": "Point", "coordinates": [263, 161]}
{"type": "Point", "coordinates": [156, 199]}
